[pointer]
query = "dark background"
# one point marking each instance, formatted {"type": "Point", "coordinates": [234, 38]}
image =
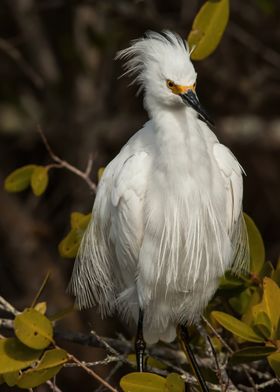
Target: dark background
{"type": "Point", "coordinates": [57, 68]}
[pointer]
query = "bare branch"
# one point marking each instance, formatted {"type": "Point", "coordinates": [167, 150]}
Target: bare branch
{"type": "Point", "coordinates": [60, 163]}
{"type": "Point", "coordinates": [15, 54]}
{"type": "Point", "coordinates": [53, 387]}
{"type": "Point", "coordinates": [224, 343]}
{"type": "Point", "coordinates": [5, 305]}
{"type": "Point", "coordinates": [92, 373]}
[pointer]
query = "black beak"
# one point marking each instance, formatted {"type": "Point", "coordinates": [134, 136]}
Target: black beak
{"type": "Point", "coordinates": [190, 98]}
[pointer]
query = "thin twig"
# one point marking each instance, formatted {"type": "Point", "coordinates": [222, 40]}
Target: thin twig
{"type": "Point", "coordinates": [53, 387]}
{"type": "Point", "coordinates": [250, 379]}
{"type": "Point", "coordinates": [254, 44]}
{"type": "Point", "coordinates": [15, 54]}
{"type": "Point", "coordinates": [6, 323]}
{"type": "Point", "coordinates": [268, 383]}
{"type": "Point", "coordinates": [5, 305]}
{"type": "Point", "coordinates": [106, 361]}
{"type": "Point", "coordinates": [110, 375]}
{"type": "Point", "coordinates": [224, 343]}
{"type": "Point", "coordinates": [223, 383]}
{"type": "Point", "coordinates": [92, 373]}
{"type": "Point", "coordinates": [66, 165]}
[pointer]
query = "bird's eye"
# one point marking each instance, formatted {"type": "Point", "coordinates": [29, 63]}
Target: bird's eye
{"type": "Point", "coordinates": [170, 84]}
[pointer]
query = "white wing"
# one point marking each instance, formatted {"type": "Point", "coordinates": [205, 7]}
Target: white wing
{"type": "Point", "coordinates": [107, 261]}
{"type": "Point", "coordinates": [232, 174]}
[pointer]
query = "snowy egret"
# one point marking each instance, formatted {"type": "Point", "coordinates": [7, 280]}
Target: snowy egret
{"type": "Point", "coordinates": [168, 210]}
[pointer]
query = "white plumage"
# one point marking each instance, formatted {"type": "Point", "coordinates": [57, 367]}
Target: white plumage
{"type": "Point", "coordinates": [168, 211]}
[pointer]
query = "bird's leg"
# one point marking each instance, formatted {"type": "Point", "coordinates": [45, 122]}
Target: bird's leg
{"type": "Point", "coordinates": [190, 355]}
{"type": "Point", "coordinates": [140, 344]}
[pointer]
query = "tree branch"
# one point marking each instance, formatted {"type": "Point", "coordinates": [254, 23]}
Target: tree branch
{"type": "Point", "coordinates": [60, 163]}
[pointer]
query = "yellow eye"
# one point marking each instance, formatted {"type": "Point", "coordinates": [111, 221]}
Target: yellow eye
{"type": "Point", "coordinates": [170, 84]}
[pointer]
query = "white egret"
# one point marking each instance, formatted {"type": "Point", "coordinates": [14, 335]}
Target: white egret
{"type": "Point", "coordinates": [167, 218]}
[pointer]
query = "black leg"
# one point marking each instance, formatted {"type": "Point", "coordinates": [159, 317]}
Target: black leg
{"type": "Point", "coordinates": [140, 343]}
{"type": "Point", "coordinates": [185, 341]}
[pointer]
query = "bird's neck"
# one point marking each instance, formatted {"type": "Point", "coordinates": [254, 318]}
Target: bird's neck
{"type": "Point", "coordinates": [179, 139]}
{"type": "Point", "coordinates": [175, 127]}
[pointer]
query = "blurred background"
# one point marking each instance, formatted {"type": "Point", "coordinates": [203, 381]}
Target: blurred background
{"type": "Point", "coordinates": [57, 69]}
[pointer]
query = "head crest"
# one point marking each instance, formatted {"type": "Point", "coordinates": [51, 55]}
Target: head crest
{"type": "Point", "coordinates": [154, 50]}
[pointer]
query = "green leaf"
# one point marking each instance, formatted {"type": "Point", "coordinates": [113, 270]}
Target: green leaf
{"type": "Point", "coordinates": [247, 317]}
{"type": "Point", "coordinates": [15, 356]}
{"type": "Point", "coordinates": [250, 354]}
{"type": "Point", "coordinates": [270, 304]}
{"type": "Point", "coordinates": [257, 251]}
{"type": "Point", "coordinates": [142, 382]}
{"type": "Point", "coordinates": [11, 378]}
{"type": "Point", "coordinates": [241, 302]}
{"type": "Point", "coordinates": [208, 28]}
{"type": "Point", "coordinates": [152, 362]}
{"type": "Point", "coordinates": [267, 270]}
{"type": "Point", "coordinates": [274, 361]}
{"type": "Point", "coordinates": [230, 281]}
{"type": "Point", "coordinates": [237, 327]}
{"type": "Point", "coordinates": [69, 246]}
{"type": "Point", "coordinates": [174, 383]}
{"type": "Point", "coordinates": [50, 364]}
{"type": "Point", "coordinates": [19, 179]}
{"type": "Point", "coordinates": [262, 325]}
{"type": "Point", "coordinates": [39, 180]}
{"type": "Point", "coordinates": [33, 329]}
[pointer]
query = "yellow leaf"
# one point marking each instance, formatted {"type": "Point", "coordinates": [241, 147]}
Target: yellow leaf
{"type": "Point", "coordinates": [15, 356]}
{"type": "Point", "coordinates": [270, 304]}
{"type": "Point", "coordinates": [11, 378]}
{"type": "Point", "coordinates": [274, 361]}
{"type": "Point", "coordinates": [79, 220]}
{"type": "Point", "coordinates": [41, 307]}
{"type": "Point", "coordinates": [100, 173]}
{"type": "Point", "coordinates": [174, 383]}
{"type": "Point", "coordinates": [208, 28]}
{"type": "Point", "coordinates": [70, 244]}
{"type": "Point", "coordinates": [33, 329]}
{"type": "Point", "coordinates": [48, 367]}
{"type": "Point", "coordinates": [256, 245]}
{"type": "Point", "coordinates": [237, 327]}
{"type": "Point", "coordinates": [19, 179]}
{"type": "Point", "coordinates": [39, 180]}
{"type": "Point", "coordinates": [247, 317]}
{"type": "Point", "coordinates": [142, 382]}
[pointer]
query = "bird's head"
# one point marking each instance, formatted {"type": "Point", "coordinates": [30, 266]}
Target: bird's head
{"type": "Point", "coordinates": [160, 63]}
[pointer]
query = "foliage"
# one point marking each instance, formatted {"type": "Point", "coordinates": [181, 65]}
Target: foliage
{"type": "Point", "coordinates": [27, 360]}
{"type": "Point", "coordinates": [256, 298]}
{"type": "Point", "coordinates": [149, 382]}
{"type": "Point", "coordinates": [208, 28]}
